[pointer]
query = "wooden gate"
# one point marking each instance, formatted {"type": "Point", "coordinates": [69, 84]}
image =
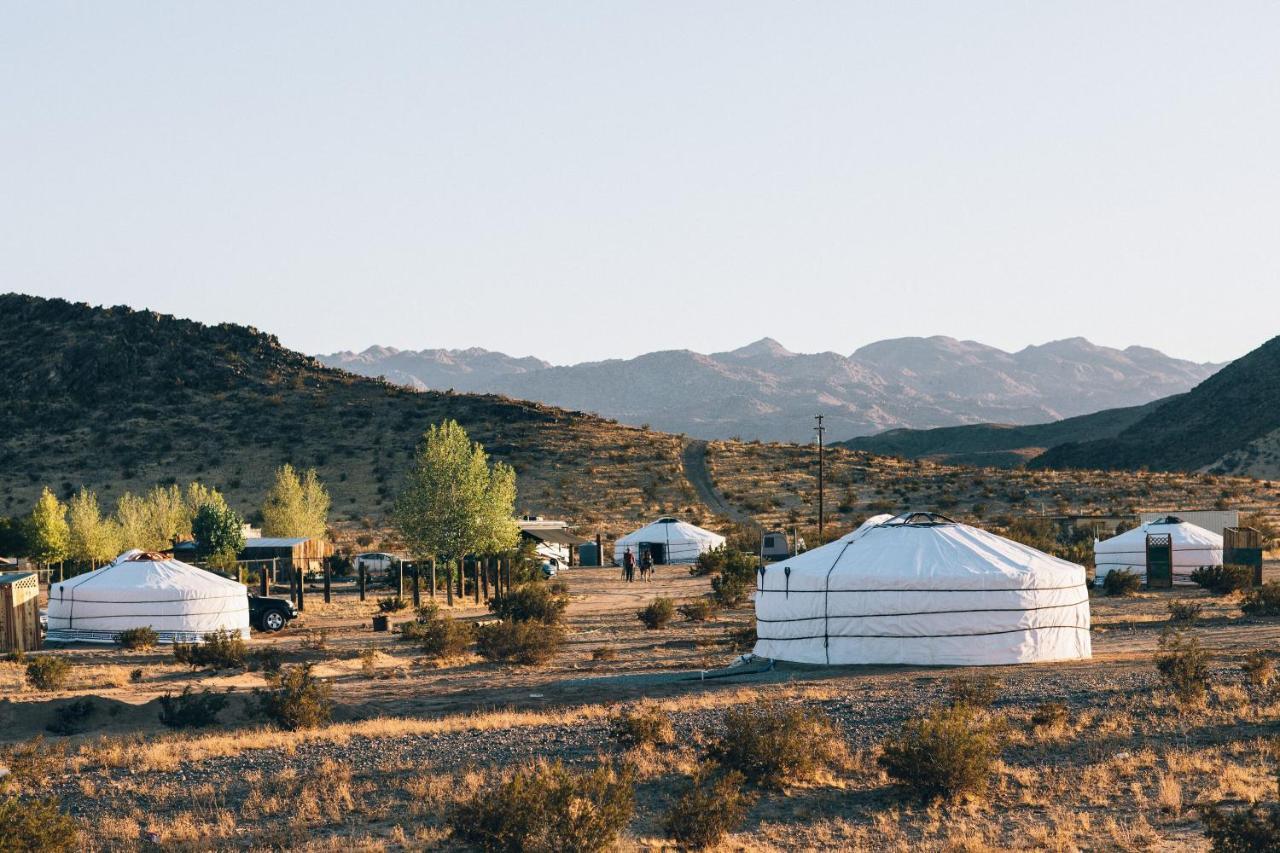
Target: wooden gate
{"type": "Point", "coordinates": [1159, 561]}
{"type": "Point", "coordinates": [1242, 546]}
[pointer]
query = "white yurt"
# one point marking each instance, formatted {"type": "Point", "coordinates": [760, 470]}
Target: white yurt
{"type": "Point", "coordinates": [669, 540]}
{"type": "Point", "coordinates": [140, 589]}
{"type": "Point", "coordinates": [1192, 546]}
{"type": "Point", "coordinates": [922, 589]}
{"type": "Point", "coordinates": [865, 526]}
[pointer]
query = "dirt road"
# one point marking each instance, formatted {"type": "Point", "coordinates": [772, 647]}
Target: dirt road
{"type": "Point", "coordinates": [694, 459]}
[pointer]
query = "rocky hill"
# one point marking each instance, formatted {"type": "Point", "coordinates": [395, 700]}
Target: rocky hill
{"type": "Point", "coordinates": [764, 391]}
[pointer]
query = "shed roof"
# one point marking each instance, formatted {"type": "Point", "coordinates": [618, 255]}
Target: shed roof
{"type": "Point", "coordinates": [555, 536]}
{"type": "Point", "coordinates": [275, 542]}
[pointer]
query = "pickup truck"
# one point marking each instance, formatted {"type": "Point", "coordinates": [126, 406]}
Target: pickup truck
{"type": "Point", "coordinates": [270, 614]}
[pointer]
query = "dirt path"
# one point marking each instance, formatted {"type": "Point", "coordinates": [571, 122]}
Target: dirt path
{"type": "Point", "coordinates": [694, 459]}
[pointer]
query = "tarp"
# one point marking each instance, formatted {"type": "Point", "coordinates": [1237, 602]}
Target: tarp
{"type": "Point", "coordinates": [181, 603]}
{"type": "Point", "coordinates": [1193, 547]}
{"type": "Point", "coordinates": [682, 542]}
{"type": "Point", "coordinates": [915, 590]}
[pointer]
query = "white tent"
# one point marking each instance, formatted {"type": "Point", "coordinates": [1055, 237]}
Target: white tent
{"type": "Point", "coordinates": [921, 589]}
{"type": "Point", "coordinates": [865, 526]}
{"type": "Point", "coordinates": [138, 589]}
{"type": "Point", "coordinates": [669, 541]}
{"type": "Point", "coordinates": [1192, 547]}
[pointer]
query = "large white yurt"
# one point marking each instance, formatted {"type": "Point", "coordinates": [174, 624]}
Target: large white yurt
{"type": "Point", "coordinates": [1193, 547]}
{"type": "Point", "coordinates": [668, 540]}
{"type": "Point", "coordinates": [922, 589]}
{"type": "Point", "coordinates": [140, 589]}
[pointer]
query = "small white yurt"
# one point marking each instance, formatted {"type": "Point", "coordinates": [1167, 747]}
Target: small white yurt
{"type": "Point", "coordinates": [668, 540]}
{"type": "Point", "coordinates": [922, 589]}
{"type": "Point", "coordinates": [1192, 546]}
{"type": "Point", "coordinates": [140, 589]}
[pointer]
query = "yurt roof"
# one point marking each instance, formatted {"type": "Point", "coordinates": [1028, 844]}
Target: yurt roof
{"type": "Point", "coordinates": [670, 528]}
{"type": "Point", "coordinates": [137, 572]}
{"type": "Point", "coordinates": [1182, 532]}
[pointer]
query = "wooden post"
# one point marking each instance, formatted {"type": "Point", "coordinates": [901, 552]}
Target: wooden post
{"type": "Point", "coordinates": [399, 578]}
{"type": "Point", "coordinates": [264, 579]}
{"type": "Point", "coordinates": [298, 572]}
{"type": "Point", "coordinates": [417, 587]}
{"type": "Point", "coordinates": [360, 573]}
{"type": "Point", "coordinates": [599, 551]}
{"type": "Point", "coordinates": [328, 577]}
{"type": "Point", "coordinates": [431, 579]}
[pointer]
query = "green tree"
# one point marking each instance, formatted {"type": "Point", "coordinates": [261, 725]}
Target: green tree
{"type": "Point", "coordinates": [453, 503]}
{"type": "Point", "coordinates": [219, 533]}
{"type": "Point", "coordinates": [199, 495]}
{"type": "Point", "coordinates": [296, 506]}
{"type": "Point", "coordinates": [92, 539]}
{"type": "Point", "coordinates": [50, 537]}
{"type": "Point", "coordinates": [13, 537]}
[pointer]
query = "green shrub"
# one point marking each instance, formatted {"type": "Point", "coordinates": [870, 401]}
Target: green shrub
{"type": "Point", "coordinates": [220, 650]}
{"type": "Point", "coordinates": [1259, 668]}
{"type": "Point", "coordinates": [658, 613]}
{"type": "Point", "coordinates": [48, 672]}
{"type": "Point", "coordinates": [438, 635]}
{"type": "Point", "coordinates": [519, 642]}
{"type": "Point", "coordinates": [1049, 715]}
{"type": "Point", "coordinates": [1222, 580]}
{"type": "Point", "coordinates": [1185, 611]}
{"type": "Point", "coordinates": [1263, 600]}
{"type": "Point", "coordinates": [137, 638]}
{"type": "Point", "coordinates": [1183, 666]}
{"type": "Point", "coordinates": [70, 719]}
{"type": "Point", "coordinates": [943, 754]}
{"type": "Point", "coordinates": [733, 574]}
{"type": "Point", "coordinates": [711, 806]}
{"type": "Point", "coordinates": [643, 725]}
{"type": "Point", "coordinates": [299, 700]}
{"type": "Point", "coordinates": [546, 808]}
{"type": "Point", "coordinates": [980, 691]}
{"type": "Point", "coordinates": [530, 602]}
{"type": "Point", "coordinates": [392, 604]}
{"type": "Point", "coordinates": [698, 610]}
{"type": "Point", "coordinates": [191, 710]}
{"type": "Point", "coordinates": [774, 745]}
{"type": "Point", "coordinates": [36, 826]}
{"type": "Point", "coordinates": [1121, 582]}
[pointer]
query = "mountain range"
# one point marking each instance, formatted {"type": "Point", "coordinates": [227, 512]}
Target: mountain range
{"type": "Point", "coordinates": [764, 391]}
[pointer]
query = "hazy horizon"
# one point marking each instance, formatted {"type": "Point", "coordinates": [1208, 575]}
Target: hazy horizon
{"type": "Point", "coordinates": [582, 182]}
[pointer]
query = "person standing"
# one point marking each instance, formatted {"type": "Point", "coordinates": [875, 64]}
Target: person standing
{"type": "Point", "coordinates": [628, 566]}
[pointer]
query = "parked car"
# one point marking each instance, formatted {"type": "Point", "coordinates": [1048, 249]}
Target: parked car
{"type": "Point", "coordinates": [270, 614]}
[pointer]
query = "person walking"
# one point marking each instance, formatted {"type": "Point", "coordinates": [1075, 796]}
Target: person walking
{"type": "Point", "coordinates": [646, 566]}
{"type": "Point", "coordinates": [628, 566]}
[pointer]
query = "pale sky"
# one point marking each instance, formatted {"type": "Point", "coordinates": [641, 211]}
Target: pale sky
{"type": "Point", "coordinates": [596, 179]}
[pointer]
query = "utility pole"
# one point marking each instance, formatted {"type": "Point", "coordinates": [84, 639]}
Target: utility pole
{"type": "Point", "coordinates": [822, 517]}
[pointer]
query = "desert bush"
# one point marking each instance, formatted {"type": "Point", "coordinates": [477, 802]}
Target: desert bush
{"type": "Point", "coordinates": [1049, 715]}
{"type": "Point", "coordinates": [315, 640]}
{"type": "Point", "coordinates": [1263, 600]}
{"type": "Point", "coordinates": [711, 806]}
{"type": "Point", "coordinates": [642, 725]}
{"type": "Point", "coordinates": [220, 650]}
{"type": "Point", "coordinates": [1185, 611]}
{"type": "Point", "coordinates": [392, 604]}
{"type": "Point", "coordinates": [137, 638]}
{"type": "Point", "coordinates": [298, 700]}
{"type": "Point", "coordinates": [547, 808]}
{"type": "Point", "coordinates": [979, 691]}
{"type": "Point", "coordinates": [48, 672]}
{"type": "Point", "coordinates": [1222, 580]}
{"type": "Point", "coordinates": [698, 610]}
{"type": "Point", "coordinates": [774, 744]}
{"type": "Point", "coordinates": [135, 675]}
{"type": "Point", "coordinates": [1259, 668]}
{"type": "Point", "coordinates": [1183, 665]}
{"type": "Point", "coordinates": [438, 635]}
{"type": "Point", "coordinates": [1121, 582]}
{"type": "Point", "coordinates": [191, 710]}
{"type": "Point", "coordinates": [1255, 829]}
{"type": "Point", "coordinates": [369, 662]}
{"type": "Point", "coordinates": [267, 659]}
{"type": "Point", "coordinates": [558, 586]}
{"type": "Point", "coordinates": [604, 653]}
{"type": "Point", "coordinates": [70, 719]}
{"type": "Point", "coordinates": [530, 602]}
{"type": "Point", "coordinates": [519, 642]}
{"type": "Point", "coordinates": [36, 825]}
{"type": "Point", "coordinates": [658, 613]}
{"type": "Point", "coordinates": [946, 753]}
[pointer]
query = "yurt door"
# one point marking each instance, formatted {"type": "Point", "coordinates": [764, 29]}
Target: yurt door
{"type": "Point", "coordinates": [1159, 561]}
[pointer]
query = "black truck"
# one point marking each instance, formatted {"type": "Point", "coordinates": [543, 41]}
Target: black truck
{"type": "Point", "coordinates": [270, 614]}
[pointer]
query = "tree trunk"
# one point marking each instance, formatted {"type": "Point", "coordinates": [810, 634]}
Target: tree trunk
{"type": "Point", "coordinates": [484, 576]}
{"type": "Point", "coordinates": [448, 583]}
{"type": "Point", "coordinates": [431, 580]}
{"type": "Point", "coordinates": [417, 587]}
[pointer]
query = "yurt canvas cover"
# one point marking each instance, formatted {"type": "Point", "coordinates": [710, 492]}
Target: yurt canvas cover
{"type": "Point", "coordinates": [179, 602]}
{"type": "Point", "coordinates": [1192, 546]}
{"type": "Point", "coordinates": [921, 589]}
{"type": "Point", "coordinates": [676, 541]}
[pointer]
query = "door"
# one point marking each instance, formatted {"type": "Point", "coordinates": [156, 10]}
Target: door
{"type": "Point", "coordinates": [1159, 561]}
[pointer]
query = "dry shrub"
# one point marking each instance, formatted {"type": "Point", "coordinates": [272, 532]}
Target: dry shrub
{"type": "Point", "coordinates": [191, 710]}
{"type": "Point", "coordinates": [392, 604]}
{"type": "Point", "coordinates": [437, 634]}
{"type": "Point", "coordinates": [220, 650]}
{"type": "Point", "coordinates": [774, 745]}
{"type": "Point", "coordinates": [658, 613]}
{"type": "Point", "coordinates": [709, 808]}
{"type": "Point", "coordinates": [547, 808]}
{"type": "Point", "coordinates": [1259, 668]}
{"type": "Point", "coordinates": [36, 825]}
{"type": "Point", "coordinates": [299, 700]}
{"type": "Point", "coordinates": [642, 725]}
{"type": "Point", "coordinates": [1263, 600]}
{"type": "Point", "coordinates": [1121, 582]}
{"type": "Point", "coordinates": [369, 662]}
{"type": "Point", "coordinates": [1183, 666]}
{"type": "Point", "coordinates": [519, 642]}
{"type": "Point", "coordinates": [698, 610]}
{"type": "Point", "coordinates": [1223, 580]}
{"type": "Point", "coordinates": [48, 672]}
{"type": "Point", "coordinates": [979, 691]}
{"type": "Point", "coordinates": [1256, 828]}
{"type": "Point", "coordinates": [1185, 611]}
{"type": "Point", "coordinates": [535, 601]}
{"type": "Point", "coordinates": [944, 754]}
{"type": "Point", "coordinates": [267, 659]}
{"type": "Point", "coordinates": [604, 653]}
{"type": "Point", "coordinates": [71, 718]}
{"type": "Point", "coordinates": [742, 639]}
{"type": "Point", "coordinates": [1049, 715]}
{"type": "Point", "coordinates": [138, 638]}
{"type": "Point", "coordinates": [315, 640]}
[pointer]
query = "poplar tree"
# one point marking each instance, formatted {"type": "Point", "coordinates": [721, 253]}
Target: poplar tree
{"type": "Point", "coordinates": [50, 535]}
{"type": "Point", "coordinates": [92, 539]}
{"type": "Point", "coordinates": [296, 506]}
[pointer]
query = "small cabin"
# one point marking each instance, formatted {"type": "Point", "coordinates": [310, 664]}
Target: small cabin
{"type": "Point", "coordinates": [288, 553]}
